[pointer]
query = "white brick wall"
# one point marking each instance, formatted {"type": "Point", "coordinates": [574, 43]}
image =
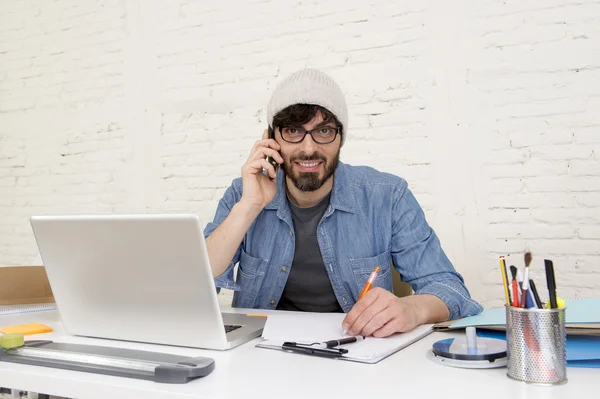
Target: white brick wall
{"type": "Point", "coordinates": [490, 109]}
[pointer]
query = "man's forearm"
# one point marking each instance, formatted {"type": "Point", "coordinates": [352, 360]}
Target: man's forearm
{"type": "Point", "coordinates": [430, 308]}
{"type": "Point", "coordinates": [224, 241]}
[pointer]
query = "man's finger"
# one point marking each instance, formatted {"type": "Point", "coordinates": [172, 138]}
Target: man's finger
{"type": "Point", "coordinates": [360, 326]}
{"type": "Point", "coordinates": [258, 165]}
{"type": "Point", "coordinates": [266, 143]}
{"type": "Point", "coordinates": [379, 319]}
{"type": "Point", "coordinates": [262, 152]}
{"type": "Point", "coordinates": [358, 308]}
{"type": "Point", "coordinates": [265, 135]}
{"type": "Point", "coordinates": [391, 327]}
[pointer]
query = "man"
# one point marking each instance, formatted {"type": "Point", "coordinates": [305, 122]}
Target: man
{"type": "Point", "coordinates": [308, 234]}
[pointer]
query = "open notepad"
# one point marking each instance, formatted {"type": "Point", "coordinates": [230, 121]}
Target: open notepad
{"type": "Point", "coordinates": [305, 327]}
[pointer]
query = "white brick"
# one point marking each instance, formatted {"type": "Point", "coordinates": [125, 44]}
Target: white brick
{"type": "Point", "coordinates": [189, 195]}
{"type": "Point", "coordinates": [533, 231]}
{"type": "Point", "coordinates": [533, 200]}
{"type": "Point", "coordinates": [588, 135]}
{"type": "Point", "coordinates": [20, 104]}
{"type": "Point", "coordinates": [502, 216]}
{"type": "Point", "coordinates": [588, 199]}
{"type": "Point", "coordinates": [585, 168]}
{"type": "Point", "coordinates": [560, 152]}
{"type": "Point", "coordinates": [563, 183]}
{"type": "Point", "coordinates": [506, 186]}
{"type": "Point", "coordinates": [203, 183]}
{"type": "Point", "coordinates": [7, 181]}
{"type": "Point", "coordinates": [565, 216]}
{"type": "Point", "coordinates": [533, 167]}
{"type": "Point", "coordinates": [528, 139]}
{"type": "Point", "coordinates": [17, 161]}
{"type": "Point", "coordinates": [589, 232]}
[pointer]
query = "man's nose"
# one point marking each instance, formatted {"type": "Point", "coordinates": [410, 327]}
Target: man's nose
{"type": "Point", "coordinates": [308, 145]}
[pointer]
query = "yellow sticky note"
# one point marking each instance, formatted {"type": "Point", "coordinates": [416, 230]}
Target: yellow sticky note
{"type": "Point", "coordinates": [26, 329]}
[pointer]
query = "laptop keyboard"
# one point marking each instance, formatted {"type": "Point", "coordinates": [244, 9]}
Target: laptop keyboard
{"type": "Point", "coordinates": [231, 327]}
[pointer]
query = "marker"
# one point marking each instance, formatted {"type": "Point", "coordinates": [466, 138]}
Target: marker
{"type": "Point", "coordinates": [342, 341]}
{"type": "Point", "coordinates": [519, 283]}
{"type": "Point", "coordinates": [551, 283]}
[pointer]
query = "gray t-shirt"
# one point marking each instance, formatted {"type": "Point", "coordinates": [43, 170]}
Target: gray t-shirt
{"type": "Point", "coordinates": [308, 287]}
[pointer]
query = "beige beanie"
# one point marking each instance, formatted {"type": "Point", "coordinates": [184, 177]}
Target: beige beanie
{"type": "Point", "coordinates": [309, 86]}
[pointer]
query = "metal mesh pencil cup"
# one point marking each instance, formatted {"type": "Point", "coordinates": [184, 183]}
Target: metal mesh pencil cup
{"type": "Point", "coordinates": [536, 342]}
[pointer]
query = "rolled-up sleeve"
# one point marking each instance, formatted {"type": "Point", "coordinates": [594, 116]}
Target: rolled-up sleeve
{"type": "Point", "coordinates": [225, 280]}
{"type": "Point", "coordinates": [420, 259]}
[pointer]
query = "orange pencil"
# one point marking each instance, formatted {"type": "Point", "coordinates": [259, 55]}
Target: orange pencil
{"type": "Point", "coordinates": [369, 283]}
{"type": "Point", "coordinates": [365, 289]}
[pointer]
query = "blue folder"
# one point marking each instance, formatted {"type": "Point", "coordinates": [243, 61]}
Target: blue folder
{"type": "Point", "coordinates": [582, 350]}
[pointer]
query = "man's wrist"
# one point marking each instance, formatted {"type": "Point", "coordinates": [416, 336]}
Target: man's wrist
{"type": "Point", "coordinates": [429, 308]}
{"type": "Point", "coordinates": [249, 211]}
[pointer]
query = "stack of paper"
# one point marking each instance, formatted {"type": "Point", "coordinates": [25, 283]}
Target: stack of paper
{"type": "Point", "coordinates": [306, 327]}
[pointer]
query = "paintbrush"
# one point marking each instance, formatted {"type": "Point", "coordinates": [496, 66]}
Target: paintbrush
{"type": "Point", "coordinates": [525, 287]}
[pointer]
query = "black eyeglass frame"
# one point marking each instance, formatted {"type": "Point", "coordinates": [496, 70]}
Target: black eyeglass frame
{"type": "Point", "coordinates": [337, 130]}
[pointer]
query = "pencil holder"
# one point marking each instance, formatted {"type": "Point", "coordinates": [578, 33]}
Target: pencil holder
{"type": "Point", "coordinates": [536, 342]}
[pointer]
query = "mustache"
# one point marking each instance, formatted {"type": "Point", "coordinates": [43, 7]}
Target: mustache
{"type": "Point", "coordinates": [304, 157]}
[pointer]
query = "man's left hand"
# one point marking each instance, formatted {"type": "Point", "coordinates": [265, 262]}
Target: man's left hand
{"type": "Point", "coordinates": [380, 314]}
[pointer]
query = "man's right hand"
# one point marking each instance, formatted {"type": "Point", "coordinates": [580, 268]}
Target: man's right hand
{"type": "Point", "coordinates": [260, 189]}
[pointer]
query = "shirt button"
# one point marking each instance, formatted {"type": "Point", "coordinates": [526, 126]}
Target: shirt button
{"type": "Point", "coordinates": [291, 233]}
{"type": "Point", "coordinates": [272, 302]}
{"type": "Point", "coordinates": [283, 268]}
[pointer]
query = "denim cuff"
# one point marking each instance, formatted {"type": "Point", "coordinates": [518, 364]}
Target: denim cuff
{"type": "Point", "coordinates": [226, 280]}
{"type": "Point", "coordinates": [458, 302]}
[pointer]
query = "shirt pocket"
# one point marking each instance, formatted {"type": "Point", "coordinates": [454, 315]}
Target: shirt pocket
{"type": "Point", "coordinates": [249, 277]}
{"type": "Point", "coordinates": [363, 267]}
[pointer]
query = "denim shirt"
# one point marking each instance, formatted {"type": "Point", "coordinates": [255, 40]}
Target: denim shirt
{"type": "Point", "coordinates": [372, 220]}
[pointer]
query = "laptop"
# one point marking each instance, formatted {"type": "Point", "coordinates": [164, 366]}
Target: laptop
{"type": "Point", "coordinates": [144, 278]}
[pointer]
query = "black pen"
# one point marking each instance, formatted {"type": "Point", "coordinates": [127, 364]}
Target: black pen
{"type": "Point", "coordinates": [342, 341]}
{"type": "Point", "coordinates": [308, 349]}
{"type": "Point", "coordinates": [551, 283]}
{"type": "Point", "coordinates": [536, 296]}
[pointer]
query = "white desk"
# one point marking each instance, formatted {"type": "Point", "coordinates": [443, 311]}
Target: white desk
{"type": "Point", "coordinates": [249, 372]}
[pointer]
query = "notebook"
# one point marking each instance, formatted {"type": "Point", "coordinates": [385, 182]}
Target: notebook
{"type": "Point", "coordinates": [18, 309]}
{"type": "Point", "coordinates": [306, 327]}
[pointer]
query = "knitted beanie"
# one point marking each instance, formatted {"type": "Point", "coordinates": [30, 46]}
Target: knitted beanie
{"type": "Point", "coordinates": [309, 86]}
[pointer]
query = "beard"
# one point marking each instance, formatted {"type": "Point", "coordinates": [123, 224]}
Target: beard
{"type": "Point", "coordinates": [309, 181]}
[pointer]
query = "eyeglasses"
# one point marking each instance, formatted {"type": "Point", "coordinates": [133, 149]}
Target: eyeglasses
{"type": "Point", "coordinates": [320, 135]}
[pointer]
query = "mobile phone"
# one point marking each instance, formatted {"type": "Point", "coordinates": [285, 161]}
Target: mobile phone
{"type": "Point", "coordinates": [269, 159]}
